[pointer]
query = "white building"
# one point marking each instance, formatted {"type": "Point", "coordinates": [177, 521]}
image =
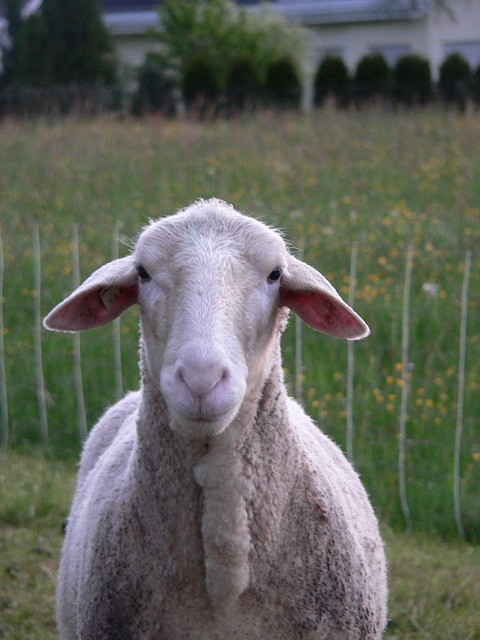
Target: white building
{"type": "Point", "coordinates": [348, 28]}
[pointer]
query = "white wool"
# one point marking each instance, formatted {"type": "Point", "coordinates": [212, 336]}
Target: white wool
{"type": "Point", "coordinates": [208, 505]}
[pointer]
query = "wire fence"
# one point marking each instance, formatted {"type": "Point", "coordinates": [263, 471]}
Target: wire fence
{"type": "Point", "coordinates": [44, 378]}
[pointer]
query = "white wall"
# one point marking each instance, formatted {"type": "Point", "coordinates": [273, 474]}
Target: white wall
{"type": "Point", "coordinates": [131, 50]}
{"type": "Point", "coordinates": [458, 33]}
{"type": "Point", "coordinates": [356, 40]}
{"type": "Point", "coordinates": [433, 37]}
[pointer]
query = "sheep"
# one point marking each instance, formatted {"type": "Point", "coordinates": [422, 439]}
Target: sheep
{"type": "Point", "coordinates": [208, 505]}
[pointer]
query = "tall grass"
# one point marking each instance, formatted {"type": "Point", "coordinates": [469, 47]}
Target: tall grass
{"type": "Point", "coordinates": [382, 181]}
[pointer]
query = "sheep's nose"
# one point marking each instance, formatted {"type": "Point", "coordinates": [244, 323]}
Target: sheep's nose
{"type": "Point", "coordinates": [204, 389]}
{"type": "Point", "coordinates": [202, 380]}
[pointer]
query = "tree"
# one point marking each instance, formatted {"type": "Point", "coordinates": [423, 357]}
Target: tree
{"type": "Point", "coordinates": [191, 28]}
{"type": "Point", "coordinates": [9, 53]}
{"type": "Point", "coordinates": [222, 33]}
{"type": "Point", "coordinates": [65, 42]}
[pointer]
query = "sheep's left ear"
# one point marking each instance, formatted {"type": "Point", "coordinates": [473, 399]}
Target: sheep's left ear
{"type": "Point", "coordinates": [99, 300]}
{"type": "Point", "coordinates": [311, 296]}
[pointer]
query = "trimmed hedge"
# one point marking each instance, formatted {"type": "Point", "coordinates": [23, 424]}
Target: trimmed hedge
{"type": "Point", "coordinates": [243, 85]}
{"type": "Point", "coordinates": [156, 90]}
{"type": "Point", "coordinates": [332, 79]}
{"type": "Point", "coordinates": [200, 86]}
{"type": "Point", "coordinates": [372, 78]}
{"type": "Point", "coordinates": [412, 80]}
{"type": "Point", "coordinates": [283, 85]}
{"type": "Point", "coordinates": [454, 81]}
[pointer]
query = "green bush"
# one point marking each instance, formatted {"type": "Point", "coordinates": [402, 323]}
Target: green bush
{"type": "Point", "coordinates": [223, 34]}
{"type": "Point", "coordinates": [156, 89]}
{"type": "Point", "coordinates": [282, 84]}
{"type": "Point", "coordinates": [200, 87]}
{"type": "Point", "coordinates": [332, 79]}
{"type": "Point", "coordinates": [412, 80]}
{"type": "Point", "coordinates": [243, 85]}
{"type": "Point", "coordinates": [372, 77]}
{"type": "Point", "coordinates": [455, 76]}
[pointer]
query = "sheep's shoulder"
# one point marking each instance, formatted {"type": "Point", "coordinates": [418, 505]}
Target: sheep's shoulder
{"type": "Point", "coordinates": [324, 457]}
{"type": "Point", "coordinates": [105, 432]}
{"type": "Point", "coordinates": [326, 553]}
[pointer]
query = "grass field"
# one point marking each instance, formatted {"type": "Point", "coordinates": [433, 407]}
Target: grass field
{"type": "Point", "coordinates": [434, 587]}
{"type": "Point", "coordinates": [382, 180]}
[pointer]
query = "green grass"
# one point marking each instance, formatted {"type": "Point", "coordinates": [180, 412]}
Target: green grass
{"type": "Point", "coordinates": [434, 586]}
{"type": "Point", "coordinates": [434, 589]}
{"type": "Point", "coordinates": [35, 494]}
{"type": "Point", "coordinates": [329, 179]}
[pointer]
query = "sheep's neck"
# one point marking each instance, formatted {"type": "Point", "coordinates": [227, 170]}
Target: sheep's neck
{"type": "Point", "coordinates": [232, 475]}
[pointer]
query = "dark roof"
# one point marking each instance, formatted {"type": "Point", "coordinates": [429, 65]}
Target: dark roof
{"type": "Point", "coordinates": [303, 11]}
{"type": "Point", "coordinates": [346, 11]}
{"type": "Point", "coordinates": [110, 6]}
{"type": "Point", "coordinates": [307, 11]}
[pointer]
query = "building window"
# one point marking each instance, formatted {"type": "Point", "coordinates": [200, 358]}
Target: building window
{"type": "Point", "coordinates": [469, 50]}
{"type": "Point", "coordinates": [323, 52]}
{"type": "Point", "coordinates": [392, 52]}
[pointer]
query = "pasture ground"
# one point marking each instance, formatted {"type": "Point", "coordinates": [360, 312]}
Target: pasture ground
{"type": "Point", "coordinates": [434, 586]}
{"type": "Point", "coordinates": [377, 180]}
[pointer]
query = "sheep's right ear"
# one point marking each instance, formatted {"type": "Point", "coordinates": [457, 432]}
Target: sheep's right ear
{"type": "Point", "coordinates": [311, 296]}
{"type": "Point", "coordinates": [99, 300]}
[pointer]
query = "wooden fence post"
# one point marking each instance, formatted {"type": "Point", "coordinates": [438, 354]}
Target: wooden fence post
{"type": "Point", "coordinates": [117, 343]}
{"type": "Point", "coordinates": [299, 347]}
{"type": "Point", "coordinates": [3, 376]}
{"type": "Point", "coordinates": [37, 331]}
{"type": "Point", "coordinates": [460, 398]}
{"type": "Point", "coordinates": [405, 384]}
{"type": "Point", "coordinates": [77, 352]}
{"type": "Point", "coordinates": [351, 356]}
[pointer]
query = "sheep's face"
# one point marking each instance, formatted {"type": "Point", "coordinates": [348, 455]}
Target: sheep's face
{"type": "Point", "coordinates": [213, 286]}
{"type": "Point", "coordinates": [208, 291]}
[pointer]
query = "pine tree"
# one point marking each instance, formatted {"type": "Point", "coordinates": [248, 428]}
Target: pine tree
{"type": "Point", "coordinates": [65, 42]}
{"type": "Point", "coordinates": [10, 54]}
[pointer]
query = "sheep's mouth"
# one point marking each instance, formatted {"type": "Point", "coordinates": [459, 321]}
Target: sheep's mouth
{"type": "Point", "coordinates": [202, 425]}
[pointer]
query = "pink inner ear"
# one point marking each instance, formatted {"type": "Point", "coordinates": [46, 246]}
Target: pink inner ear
{"type": "Point", "coordinates": [87, 310]}
{"type": "Point", "coordinates": [323, 313]}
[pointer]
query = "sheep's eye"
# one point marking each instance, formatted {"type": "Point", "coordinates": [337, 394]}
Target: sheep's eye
{"type": "Point", "coordinates": [274, 275]}
{"type": "Point", "coordinates": [143, 273]}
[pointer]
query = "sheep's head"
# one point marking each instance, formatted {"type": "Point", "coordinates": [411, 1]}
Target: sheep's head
{"type": "Point", "coordinates": [212, 286]}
